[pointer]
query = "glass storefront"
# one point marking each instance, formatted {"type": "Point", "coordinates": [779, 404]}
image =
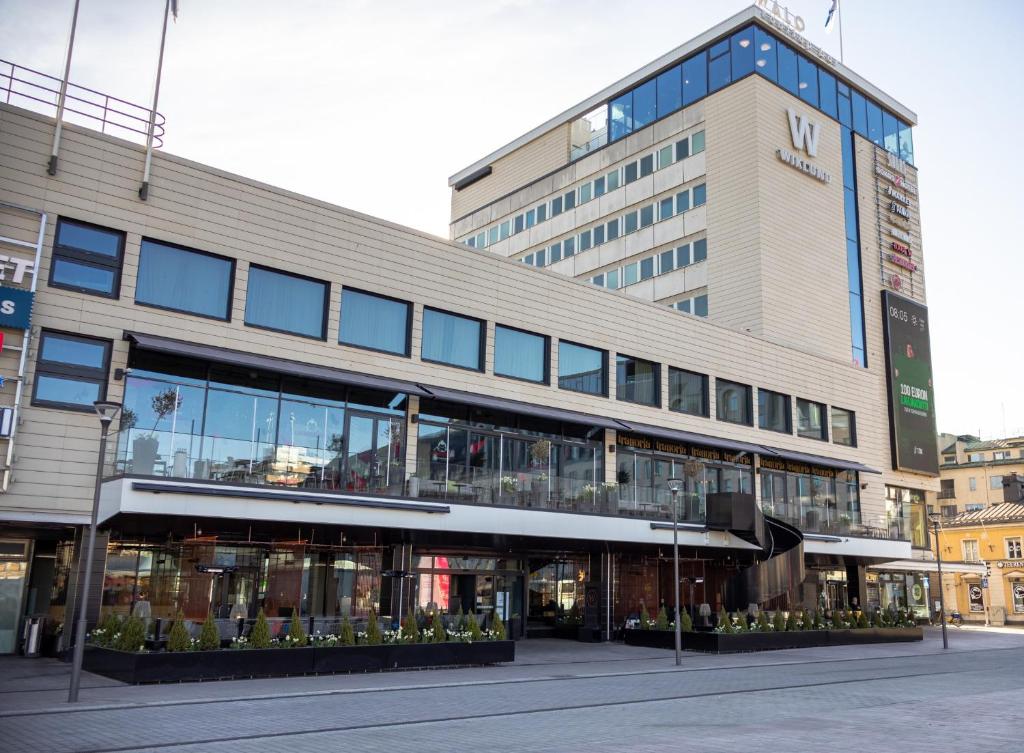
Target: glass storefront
{"type": "Point", "coordinates": [488, 457]}
{"type": "Point", "coordinates": [13, 571]}
{"type": "Point", "coordinates": [644, 466]}
{"type": "Point", "coordinates": [820, 500]}
{"type": "Point", "coordinates": [906, 515]}
{"type": "Point", "coordinates": [186, 419]}
{"type": "Point", "coordinates": [480, 585]}
{"type": "Point", "coordinates": [898, 590]}
{"type": "Point", "coordinates": [199, 576]}
{"type": "Point", "coordinates": [557, 588]}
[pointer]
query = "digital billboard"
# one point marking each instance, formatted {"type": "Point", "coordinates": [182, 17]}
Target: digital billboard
{"type": "Point", "coordinates": [911, 397]}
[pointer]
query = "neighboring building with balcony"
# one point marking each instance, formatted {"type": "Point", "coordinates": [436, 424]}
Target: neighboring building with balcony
{"type": "Point", "coordinates": [330, 413]}
{"type": "Point", "coordinates": [972, 473]}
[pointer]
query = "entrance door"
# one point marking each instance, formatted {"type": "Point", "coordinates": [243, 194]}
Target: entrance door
{"type": "Point", "coordinates": [373, 457]}
{"type": "Point", "coordinates": [13, 569]}
{"type": "Point", "coordinates": [233, 589]}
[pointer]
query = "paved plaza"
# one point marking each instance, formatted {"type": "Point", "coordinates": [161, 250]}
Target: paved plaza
{"type": "Point", "coordinates": [557, 696]}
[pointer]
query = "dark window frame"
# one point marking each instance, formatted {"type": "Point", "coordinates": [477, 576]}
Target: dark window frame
{"type": "Point", "coordinates": [409, 308]}
{"type": "Point", "coordinates": [705, 387]}
{"type": "Point", "coordinates": [547, 355]}
{"type": "Point", "coordinates": [853, 426]}
{"type": "Point", "coordinates": [789, 411]}
{"type": "Point", "coordinates": [178, 246]}
{"type": "Point", "coordinates": [657, 380]}
{"type": "Point", "coordinates": [824, 419]}
{"type": "Point", "coordinates": [89, 259]}
{"type": "Point", "coordinates": [604, 369]}
{"type": "Point", "coordinates": [307, 278]}
{"type": "Point", "coordinates": [749, 402]}
{"type": "Point", "coordinates": [482, 347]}
{"type": "Point", "coordinates": [100, 376]}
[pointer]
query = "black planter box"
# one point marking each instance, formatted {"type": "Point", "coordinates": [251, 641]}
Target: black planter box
{"type": "Point", "coordinates": [722, 643]}
{"type": "Point", "coordinates": [191, 666]}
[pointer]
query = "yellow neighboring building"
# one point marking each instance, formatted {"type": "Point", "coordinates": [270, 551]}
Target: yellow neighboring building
{"type": "Point", "coordinates": [971, 473]}
{"type": "Point", "coordinates": [994, 538]}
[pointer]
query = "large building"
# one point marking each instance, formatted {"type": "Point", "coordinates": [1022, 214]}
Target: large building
{"type": "Point", "coordinates": [326, 412]}
{"type": "Point", "coordinates": [971, 473]}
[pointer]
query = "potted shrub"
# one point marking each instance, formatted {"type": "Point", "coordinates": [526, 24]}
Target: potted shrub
{"type": "Point", "coordinates": [145, 449]}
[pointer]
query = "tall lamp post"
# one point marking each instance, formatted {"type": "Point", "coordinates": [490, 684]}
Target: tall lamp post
{"type": "Point", "coordinates": [107, 412]}
{"type": "Point", "coordinates": [934, 517]}
{"type": "Point", "coordinates": [674, 485]}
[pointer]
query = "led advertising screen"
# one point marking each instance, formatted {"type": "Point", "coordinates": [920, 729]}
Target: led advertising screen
{"type": "Point", "coordinates": [911, 397]}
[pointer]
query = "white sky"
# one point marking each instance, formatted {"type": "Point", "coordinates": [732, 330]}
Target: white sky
{"type": "Point", "coordinates": [372, 105]}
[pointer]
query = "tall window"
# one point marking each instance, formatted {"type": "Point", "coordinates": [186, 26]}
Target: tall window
{"type": "Point", "coordinates": [970, 548]}
{"type": "Point", "coordinates": [773, 411]}
{"type": "Point", "coordinates": [810, 419]}
{"type": "Point", "coordinates": [452, 339]}
{"type": "Point", "coordinates": [844, 427]}
{"type": "Point", "coordinates": [1013, 548]}
{"type": "Point", "coordinates": [521, 355]}
{"type": "Point", "coordinates": [180, 279]}
{"type": "Point", "coordinates": [374, 322]}
{"type": "Point", "coordinates": [286, 303]}
{"type": "Point", "coordinates": [995, 482]}
{"type": "Point", "coordinates": [734, 402]}
{"type": "Point", "coordinates": [582, 369]}
{"type": "Point", "coordinates": [71, 371]}
{"type": "Point", "coordinates": [637, 380]}
{"type": "Point", "coordinates": [87, 258]}
{"type": "Point", "coordinates": [687, 392]}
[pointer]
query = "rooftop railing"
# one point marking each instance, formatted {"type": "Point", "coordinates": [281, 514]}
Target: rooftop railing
{"type": "Point", "coordinates": [39, 92]}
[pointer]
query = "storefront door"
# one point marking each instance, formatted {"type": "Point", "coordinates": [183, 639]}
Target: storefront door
{"type": "Point", "coordinates": [13, 569]}
{"type": "Point", "coordinates": [374, 456]}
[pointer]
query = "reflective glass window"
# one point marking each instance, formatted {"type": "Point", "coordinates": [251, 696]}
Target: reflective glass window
{"type": "Point", "coordinates": [585, 240]}
{"type": "Point", "coordinates": [613, 180]}
{"type": "Point", "coordinates": [665, 208]}
{"type": "Point", "coordinates": [621, 116]}
{"type": "Point", "coordinates": [645, 104]}
{"type": "Point", "coordinates": [585, 192]}
{"type": "Point", "coordinates": [71, 371]}
{"type": "Point", "coordinates": [687, 392]}
{"type": "Point", "coordinates": [773, 411]}
{"type": "Point", "coordinates": [180, 279]}
{"type": "Point", "coordinates": [542, 212]}
{"type": "Point", "coordinates": [906, 139]}
{"type": "Point", "coordinates": [845, 108]}
{"type": "Point", "coordinates": [682, 201]}
{"type": "Point", "coordinates": [568, 247]}
{"type": "Point", "coordinates": [519, 354]}
{"type": "Point", "coordinates": [697, 142]}
{"type": "Point", "coordinates": [810, 419]}
{"type": "Point", "coordinates": [700, 194]}
{"type": "Point", "coordinates": [719, 70]}
{"type": "Point", "coordinates": [890, 132]}
{"type": "Point", "coordinates": [844, 430]}
{"type": "Point", "coordinates": [733, 402]}
{"type": "Point", "coordinates": [452, 339]}
{"type": "Point", "coordinates": [599, 235]}
{"type": "Point", "coordinates": [630, 274]}
{"type": "Point", "coordinates": [765, 58]}
{"type": "Point", "coordinates": [647, 215]}
{"type": "Point", "coordinates": [518, 224]}
{"type": "Point", "coordinates": [540, 258]}
{"type": "Point", "coordinates": [630, 173]}
{"type": "Point", "coordinates": [827, 93]}
{"type": "Point", "coordinates": [789, 78]}
{"type": "Point", "coordinates": [531, 218]}
{"type": "Point", "coordinates": [700, 305]}
{"type": "Point", "coordinates": [374, 322]}
{"type": "Point", "coordinates": [637, 380]}
{"type": "Point", "coordinates": [570, 200]}
{"type": "Point", "coordinates": [647, 268]}
{"type": "Point", "coordinates": [667, 261]}
{"type": "Point", "coordinates": [87, 258]}
{"type": "Point", "coordinates": [646, 165]}
{"type": "Point", "coordinates": [683, 255]}
{"type": "Point", "coordinates": [598, 187]}
{"type": "Point", "coordinates": [742, 53]}
{"type": "Point", "coordinates": [874, 123]}
{"type": "Point", "coordinates": [700, 250]}
{"type": "Point", "coordinates": [285, 302]}
{"type": "Point", "coordinates": [808, 86]}
{"type": "Point", "coordinates": [555, 252]}
{"type": "Point", "coordinates": [556, 206]}
{"type": "Point", "coordinates": [682, 149]}
{"type": "Point", "coordinates": [613, 229]}
{"type": "Point", "coordinates": [860, 113]}
{"type": "Point", "coordinates": [670, 91]}
{"type": "Point", "coordinates": [695, 78]}
{"type": "Point", "coordinates": [82, 276]}
{"type": "Point", "coordinates": [612, 279]}
{"type": "Point", "coordinates": [630, 223]}
{"type": "Point", "coordinates": [581, 369]}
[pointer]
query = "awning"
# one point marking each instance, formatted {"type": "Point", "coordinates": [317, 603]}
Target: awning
{"type": "Point", "coordinates": [803, 457]}
{"type": "Point", "coordinates": [167, 345]}
{"type": "Point", "coordinates": [678, 435]}
{"type": "Point", "coordinates": [525, 409]}
{"type": "Point", "coordinates": [929, 566]}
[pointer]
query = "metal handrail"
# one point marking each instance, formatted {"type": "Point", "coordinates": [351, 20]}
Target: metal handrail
{"type": "Point", "coordinates": [134, 119]}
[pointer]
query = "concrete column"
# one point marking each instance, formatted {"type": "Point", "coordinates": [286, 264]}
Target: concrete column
{"type": "Point", "coordinates": [411, 445]}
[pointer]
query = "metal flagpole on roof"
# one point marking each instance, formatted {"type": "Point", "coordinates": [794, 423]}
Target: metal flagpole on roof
{"type": "Point", "coordinates": [51, 168]}
{"type": "Point", "coordinates": [835, 13]}
{"type": "Point", "coordinates": [170, 7]}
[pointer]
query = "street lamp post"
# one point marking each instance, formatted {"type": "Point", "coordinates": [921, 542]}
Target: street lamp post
{"type": "Point", "coordinates": [938, 561]}
{"type": "Point", "coordinates": [107, 411]}
{"type": "Point", "coordinates": [674, 485]}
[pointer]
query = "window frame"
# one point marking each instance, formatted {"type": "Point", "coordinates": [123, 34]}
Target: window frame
{"type": "Point", "coordinates": [656, 376]}
{"type": "Point", "coordinates": [853, 425]}
{"type": "Point", "coordinates": [705, 387]}
{"type": "Point", "coordinates": [87, 258]}
{"type": "Point", "coordinates": [481, 347]}
{"type": "Point", "coordinates": [160, 307]}
{"type": "Point", "coordinates": [307, 278]}
{"type": "Point", "coordinates": [604, 369]}
{"type": "Point", "coordinates": [1019, 547]}
{"type": "Point", "coordinates": [824, 419]}
{"type": "Point", "coordinates": [410, 311]}
{"type": "Point", "coordinates": [100, 376]}
{"type": "Point", "coordinates": [749, 399]}
{"type": "Point", "coordinates": [788, 399]}
{"type": "Point", "coordinates": [546, 381]}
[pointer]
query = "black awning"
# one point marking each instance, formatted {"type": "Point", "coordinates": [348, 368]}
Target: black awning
{"type": "Point", "coordinates": [678, 435]}
{"type": "Point", "coordinates": [803, 457]}
{"type": "Point", "coordinates": [170, 346]}
{"type": "Point", "coordinates": [526, 409]}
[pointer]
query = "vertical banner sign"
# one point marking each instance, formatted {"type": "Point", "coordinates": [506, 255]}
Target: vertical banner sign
{"type": "Point", "coordinates": [911, 399]}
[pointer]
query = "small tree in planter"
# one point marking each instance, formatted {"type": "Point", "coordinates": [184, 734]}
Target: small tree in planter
{"type": "Point", "coordinates": [475, 634]}
{"type": "Point", "coordinates": [837, 619]}
{"type": "Point", "coordinates": [645, 619]}
{"type": "Point", "coordinates": [209, 636]}
{"type": "Point", "coordinates": [296, 632]}
{"type": "Point", "coordinates": [791, 622]}
{"type": "Point", "coordinates": [178, 638]}
{"type": "Point", "coordinates": [724, 622]}
{"type": "Point", "coordinates": [373, 636]}
{"type": "Point", "coordinates": [260, 635]}
{"type": "Point", "coordinates": [132, 636]}
{"type": "Point", "coordinates": [662, 621]}
{"type": "Point", "coordinates": [762, 622]}
{"type": "Point", "coordinates": [410, 631]}
{"type": "Point", "coordinates": [685, 622]}
{"type": "Point", "coordinates": [498, 627]}
{"type": "Point", "coordinates": [346, 636]}
{"type": "Point", "coordinates": [460, 620]}
{"type": "Point", "coordinates": [862, 620]}
{"type": "Point", "coordinates": [807, 620]}
{"type": "Point", "coordinates": [779, 621]}
{"type": "Point", "coordinates": [437, 631]}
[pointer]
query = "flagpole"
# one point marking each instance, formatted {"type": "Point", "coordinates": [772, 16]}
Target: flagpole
{"type": "Point", "coordinates": [839, 23]}
{"type": "Point", "coordinates": [51, 168]}
{"type": "Point", "coordinates": [144, 188]}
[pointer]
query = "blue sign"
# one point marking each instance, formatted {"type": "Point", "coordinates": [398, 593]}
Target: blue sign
{"type": "Point", "coordinates": [15, 307]}
{"type": "Point", "coordinates": [984, 582]}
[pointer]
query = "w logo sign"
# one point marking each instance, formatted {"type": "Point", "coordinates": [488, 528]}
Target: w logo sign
{"type": "Point", "coordinates": [804, 133]}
